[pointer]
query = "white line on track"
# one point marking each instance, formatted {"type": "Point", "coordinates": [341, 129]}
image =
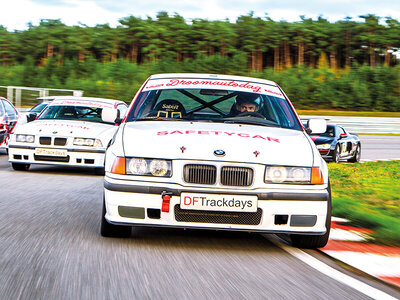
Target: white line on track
{"type": "Point", "coordinates": [333, 273]}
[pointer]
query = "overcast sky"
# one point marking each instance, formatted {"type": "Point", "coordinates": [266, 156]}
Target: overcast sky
{"type": "Point", "coordinates": [16, 14]}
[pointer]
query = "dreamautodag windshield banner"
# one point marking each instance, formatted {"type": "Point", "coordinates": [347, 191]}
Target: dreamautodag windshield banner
{"type": "Point", "coordinates": [243, 86]}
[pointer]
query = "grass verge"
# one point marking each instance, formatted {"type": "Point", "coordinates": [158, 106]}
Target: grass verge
{"type": "Point", "coordinates": [368, 194]}
{"type": "Point", "coordinates": [348, 113]}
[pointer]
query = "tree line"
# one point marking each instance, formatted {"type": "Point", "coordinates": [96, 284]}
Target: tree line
{"type": "Point", "coordinates": [265, 42]}
{"type": "Point", "coordinates": [343, 65]}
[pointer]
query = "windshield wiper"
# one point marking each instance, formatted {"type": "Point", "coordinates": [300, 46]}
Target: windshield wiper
{"type": "Point", "coordinates": [255, 122]}
{"type": "Point", "coordinates": [155, 118]}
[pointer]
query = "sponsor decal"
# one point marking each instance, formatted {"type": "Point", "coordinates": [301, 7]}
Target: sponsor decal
{"type": "Point", "coordinates": [247, 85]}
{"type": "Point", "coordinates": [214, 84]}
{"type": "Point", "coordinates": [63, 125]}
{"type": "Point", "coordinates": [218, 203]}
{"type": "Point", "coordinates": [81, 103]}
{"type": "Point", "coordinates": [218, 133]}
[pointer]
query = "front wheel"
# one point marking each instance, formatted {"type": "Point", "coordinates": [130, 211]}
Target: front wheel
{"type": "Point", "coordinates": [111, 230]}
{"type": "Point", "coordinates": [315, 241]}
{"type": "Point", "coordinates": [357, 155]}
{"type": "Point", "coordinates": [336, 154]}
{"type": "Point", "coordinates": [20, 167]}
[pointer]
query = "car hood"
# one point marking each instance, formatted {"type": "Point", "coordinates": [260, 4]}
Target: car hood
{"type": "Point", "coordinates": [199, 141]}
{"type": "Point", "coordinates": [319, 140]}
{"type": "Point", "coordinates": [64, 128]}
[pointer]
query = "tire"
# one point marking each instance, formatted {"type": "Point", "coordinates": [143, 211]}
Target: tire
{"type": "Point", "coordinates": [315, 241]}
{"type": "Point", "coordinates": [111, 230]}
{"type": "Point", "coordinates": [336, 154]}
{"type": "Point", "coordinates": [357, 155]}
{"type": "Point", "coordinates": [20, 167]}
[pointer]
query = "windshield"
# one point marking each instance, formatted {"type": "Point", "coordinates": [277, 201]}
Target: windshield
{"type": "Point", "coordinates": [330, 132]}
{"type": "Point", "coordinates": [39, 107]}
{"type": "Point", "coordinates": [213, 105]}
{"type": "Point", "coordinates": [70, 112]}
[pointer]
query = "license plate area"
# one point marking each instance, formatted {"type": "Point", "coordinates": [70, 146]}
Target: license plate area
{"type": "Point", "coordinates": [51, 152]}
{"type": "Point", "coordinates": [219, 202]}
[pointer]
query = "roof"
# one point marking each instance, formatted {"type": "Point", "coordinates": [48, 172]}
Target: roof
{"type": "Point", "coordinates": [212, 76]}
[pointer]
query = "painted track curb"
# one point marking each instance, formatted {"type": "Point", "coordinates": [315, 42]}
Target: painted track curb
{"type": "Point", "coordinates": [351, 245]}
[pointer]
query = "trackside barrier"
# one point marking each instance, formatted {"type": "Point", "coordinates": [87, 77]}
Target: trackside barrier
{"type": "Point", "coordinates": [15, 93]}
{"type": "Point", "coordinates": [364, 124]}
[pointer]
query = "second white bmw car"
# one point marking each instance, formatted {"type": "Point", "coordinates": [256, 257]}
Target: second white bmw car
{"type": "Point", "coordinates": [70, 131]}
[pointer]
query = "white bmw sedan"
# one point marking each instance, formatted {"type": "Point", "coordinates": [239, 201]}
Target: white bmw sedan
{"type": "Point", "coordinates": [216, 152]}
{"type": "Point", "coordinates": [70, 131]}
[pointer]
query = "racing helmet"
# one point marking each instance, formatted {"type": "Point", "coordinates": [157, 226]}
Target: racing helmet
{"type": "Point", "coordinates": [246, 98]}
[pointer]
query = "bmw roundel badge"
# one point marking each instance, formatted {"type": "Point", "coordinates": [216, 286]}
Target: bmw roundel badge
{"type": "Point", "coordinates": [219, 153]}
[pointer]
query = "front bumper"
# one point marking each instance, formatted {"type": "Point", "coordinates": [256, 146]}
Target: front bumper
{"type": "Point", "coordinates": [75, 156]}
{"type": "Point", "coordinates": [279, 210]}
{"type": "Point", "coordinates": [326, 154]}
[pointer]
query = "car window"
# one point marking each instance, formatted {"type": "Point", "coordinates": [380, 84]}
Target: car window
{"type": "Point", "coordinates": [70, 112]}
{"type": "Point", "coordinates": [1, 108]}
{"type": "Point", "coordinates": [10, 110]}
{"type": "Point", "coordinates": [340, 130]}
{"type": "Point", "coordinates": [38, 108]}
{"type": "Point", "coordinates": [211, 105]}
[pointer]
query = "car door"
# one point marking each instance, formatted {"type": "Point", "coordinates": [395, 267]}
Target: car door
{"type": "Point", "coordinates": [345, 142]}
{"type": "Point", "coordinates": [3, 124]}
{"type": "Point", "coordinates": [11, 116]}
{"type": "Point", "coordinates": [352, 142]}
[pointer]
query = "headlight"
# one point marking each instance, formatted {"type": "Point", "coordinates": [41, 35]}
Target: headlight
{"type": "Point", "coordinates": [324, 147]}
{"type": "Point", "coordinates": [280, 174]}
{"type": "Point", "coordinates": [87, 142]}
{"type": "Point", "coordinates": [158, 167]}
{"type": "Point", "coordinates": [149, 167]}
{"type": "Point", "coordinates": [25, 138]}
{"type": "Point", "coordinates": [137, 166]}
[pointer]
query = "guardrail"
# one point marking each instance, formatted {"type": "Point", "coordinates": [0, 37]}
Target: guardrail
{"type": "Point", "coordinates": [14, 93]}
{"type": "Point", "coordinates": [363, 124]}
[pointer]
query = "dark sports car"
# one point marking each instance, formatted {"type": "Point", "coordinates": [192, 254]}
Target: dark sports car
{"type": "Point", "coordinates": [337, 144]}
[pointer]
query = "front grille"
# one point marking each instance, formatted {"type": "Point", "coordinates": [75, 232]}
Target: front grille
{"type": "Point", "coordinates": [200, 174]}
{"type": "Point", "coordinates": [60, 141]}
{"type": "Point", "coordinates": [45, 140]}
{"type": "Point", "coordinates": [236, 176]}
{"type": "Point", "coordinates": [51, 158]}
{"type": "Point", "coordinates": [217, 217]}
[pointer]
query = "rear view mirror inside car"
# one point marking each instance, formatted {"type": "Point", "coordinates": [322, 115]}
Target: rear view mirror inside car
{"type": "Point", "coordinates": [213, 92]}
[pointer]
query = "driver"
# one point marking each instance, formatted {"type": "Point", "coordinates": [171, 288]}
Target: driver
{"type": "Point", "coordinates": [247, 103]}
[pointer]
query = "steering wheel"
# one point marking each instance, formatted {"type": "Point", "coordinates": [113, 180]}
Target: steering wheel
{"type": "Point", "coordinates": [250, 114]}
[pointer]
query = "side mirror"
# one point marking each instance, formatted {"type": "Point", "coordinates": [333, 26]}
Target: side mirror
{"type": "Point", "coordinates": [316, 126]}
{"type": "Point", "coordinates": [31, 117]}
{"type": "Point", "coordinates": [109, 115]}
{"type": "Point", "coordinates": [342, 136]}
